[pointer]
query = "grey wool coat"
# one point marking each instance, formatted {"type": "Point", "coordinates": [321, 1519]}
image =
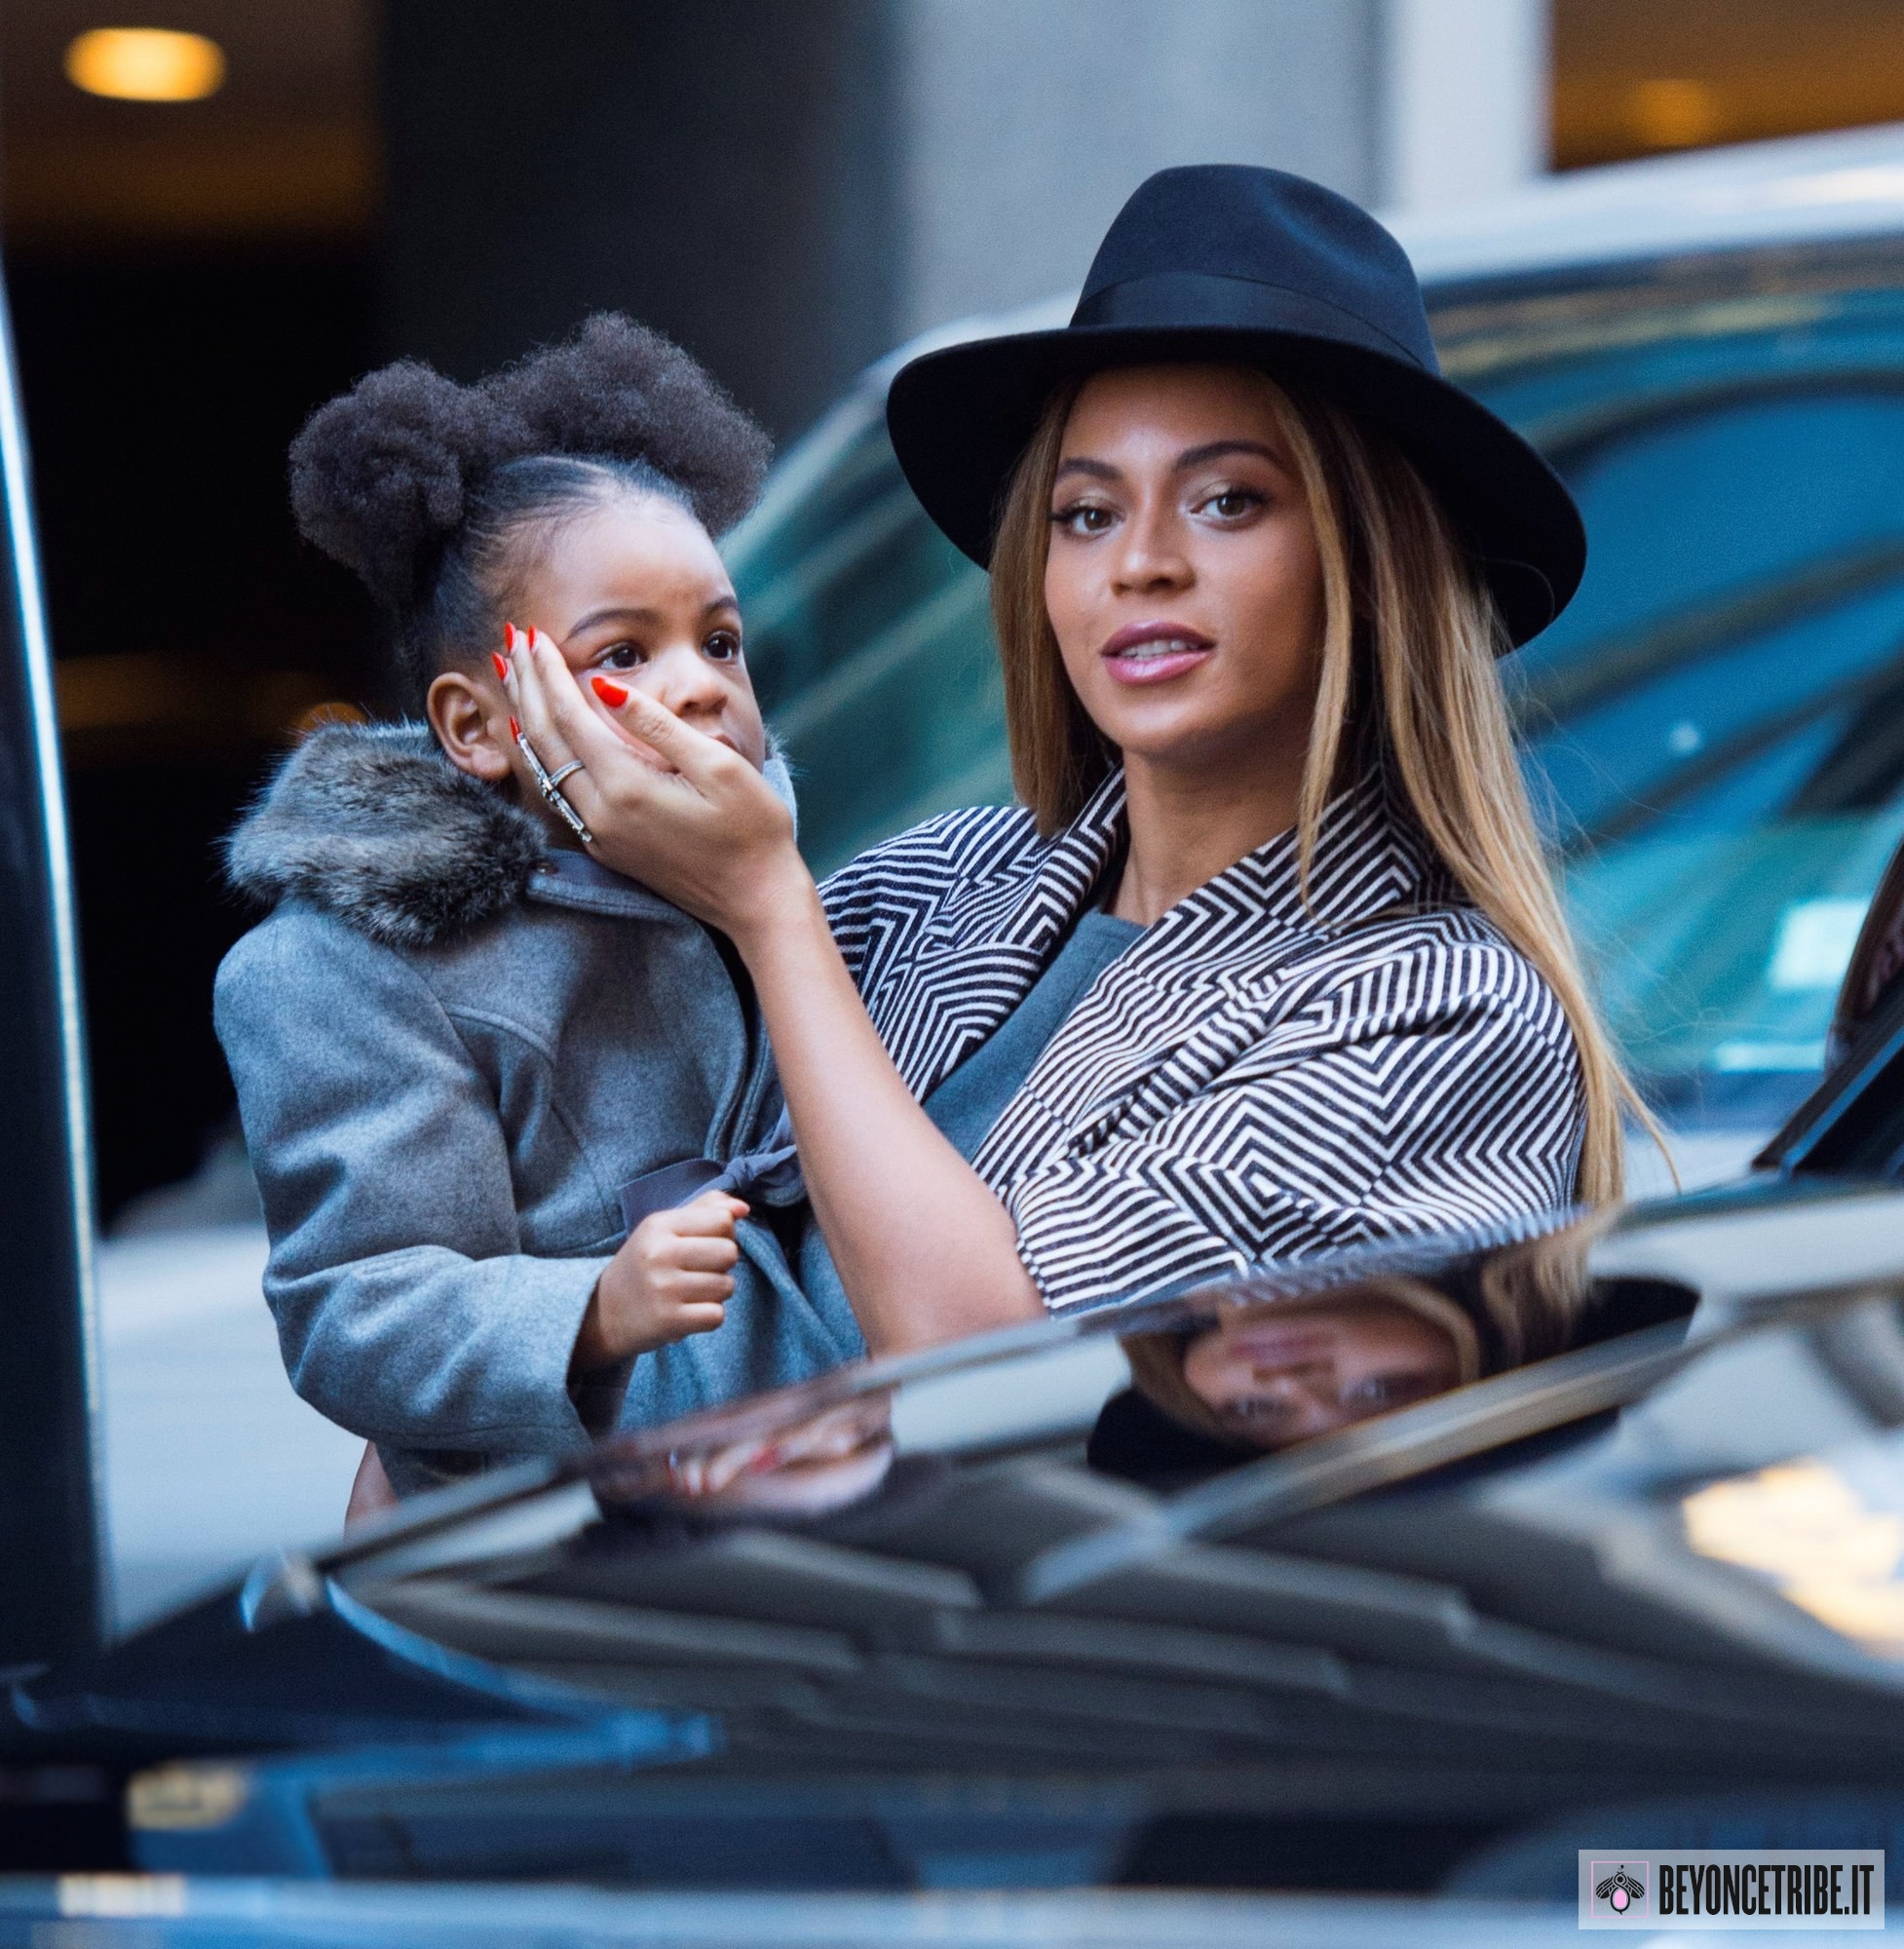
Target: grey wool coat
{"type": "Point", "coordinates": [453, 1046]}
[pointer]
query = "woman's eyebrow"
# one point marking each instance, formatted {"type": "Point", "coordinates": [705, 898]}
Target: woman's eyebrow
{"type": "Point", "coordinates": [1194, 456]}
{"type": "Point", "coordinates": [1216, 449]}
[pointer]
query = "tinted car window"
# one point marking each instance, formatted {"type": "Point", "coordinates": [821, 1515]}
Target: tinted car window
{"type": "Point", "coordinates": [1713, 731]}
{"type": "Point", "coordinates": [871, 646]}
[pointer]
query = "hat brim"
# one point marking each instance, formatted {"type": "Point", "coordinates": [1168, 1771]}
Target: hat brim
{"type": "Point", "coordinates": [961, 417]}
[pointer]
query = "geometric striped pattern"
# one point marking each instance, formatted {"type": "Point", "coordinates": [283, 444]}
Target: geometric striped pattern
{"type": "Point", "coordinates": [1254, 1079]}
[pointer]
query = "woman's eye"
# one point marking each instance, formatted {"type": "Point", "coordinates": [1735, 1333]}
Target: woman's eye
{"type": "Point", "coordinates": [623, 656]}
{"type": "Point", "coordinates": [1232, 504]}
{"type": "Point", "coordinates": [1083, 517]}
{"type": "Point", "coordinates": [723, 646]}
{"type": "Point", "coordinates": [1384, 1391]}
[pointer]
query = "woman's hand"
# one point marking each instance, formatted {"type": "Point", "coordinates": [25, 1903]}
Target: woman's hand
{"type": "Point", "coordinates": [925, 1250]}
{"type": "Point", "coordinates": [677, 811]}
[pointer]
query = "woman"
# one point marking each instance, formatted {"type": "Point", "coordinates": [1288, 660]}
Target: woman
{"type": "Point", "coordinates": [1269, 961]}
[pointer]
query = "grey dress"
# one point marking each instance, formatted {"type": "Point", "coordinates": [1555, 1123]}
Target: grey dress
{"type": "Point", "coordinates": [453, 1050]}
{"type": "Point", "coordinates": [971, 1100]}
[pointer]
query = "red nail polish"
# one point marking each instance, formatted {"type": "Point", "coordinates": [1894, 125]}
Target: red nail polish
{"type": "Point", "coordinates": [614, 695]}
{"type": "Point", "coordinates": [515, 729]}
{"type": "Point", "coordinates": [508, 637]}
{"type": "Point", "coordinates": [502, 668]}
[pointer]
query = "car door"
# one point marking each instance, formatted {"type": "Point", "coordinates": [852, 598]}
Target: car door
{"type": "Point", "coordinates": [51, 1598]}
{"type": "Point", "coordinates": [1852, 1124]}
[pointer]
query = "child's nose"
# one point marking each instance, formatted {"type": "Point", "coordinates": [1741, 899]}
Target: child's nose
{"type": "Point", "coordinates": [686, 682]}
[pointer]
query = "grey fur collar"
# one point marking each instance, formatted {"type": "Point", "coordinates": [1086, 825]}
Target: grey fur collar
{"type": "Point", "coordinates": [371, 822]}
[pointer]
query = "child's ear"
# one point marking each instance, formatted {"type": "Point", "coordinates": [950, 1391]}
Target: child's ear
{"type": "Point", "coordinates": [470, 725]}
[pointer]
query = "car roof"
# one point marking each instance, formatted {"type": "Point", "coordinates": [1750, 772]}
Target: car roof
{"type": "Point", "coordinates": [1809, 189]}
{"type": "Point", "coordinates": [1812, 189]}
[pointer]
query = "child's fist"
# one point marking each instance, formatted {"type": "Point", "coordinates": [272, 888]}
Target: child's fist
{"type": "Point", "coordinates": [672, 1278]}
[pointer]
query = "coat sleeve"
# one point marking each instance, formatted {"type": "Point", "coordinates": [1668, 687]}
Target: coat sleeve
{"type": "Point", "coordinates": [407, 1310]}
{"type": "Point", "coordinates": [1426, 1097]}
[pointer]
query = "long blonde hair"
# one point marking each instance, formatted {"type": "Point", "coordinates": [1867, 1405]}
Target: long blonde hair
{"type": "Point", "coordinates": [1407, 682]}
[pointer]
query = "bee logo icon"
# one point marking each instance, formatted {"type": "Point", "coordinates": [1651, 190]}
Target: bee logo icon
{"type": "Point", "coordinates": [1620, 1891]}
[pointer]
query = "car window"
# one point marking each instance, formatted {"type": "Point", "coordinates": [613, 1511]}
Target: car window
{"type": "Point", "coordinates": [871, 646]}
{"type": "Point", "coordinates": [1714, 732]}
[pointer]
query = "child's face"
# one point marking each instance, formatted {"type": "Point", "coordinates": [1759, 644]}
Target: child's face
{"type": "Point", "coordinates": [634, 593]}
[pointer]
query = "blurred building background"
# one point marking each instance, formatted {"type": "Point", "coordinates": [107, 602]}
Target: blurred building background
{"type": "Point", "coordinates": [790, 186]}
{"type": "Point", "coordinates": [793, 188]}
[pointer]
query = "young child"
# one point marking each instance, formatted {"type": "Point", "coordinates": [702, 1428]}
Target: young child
{"type": "Point", "coordinates": [461, 1046]}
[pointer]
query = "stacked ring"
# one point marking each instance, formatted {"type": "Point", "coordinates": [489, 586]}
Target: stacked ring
{"type": "Point", "coordinates": [550, 787]}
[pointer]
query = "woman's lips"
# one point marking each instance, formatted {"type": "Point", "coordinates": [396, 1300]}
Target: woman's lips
{"type": "Point", "coordinates": [1154, 652]}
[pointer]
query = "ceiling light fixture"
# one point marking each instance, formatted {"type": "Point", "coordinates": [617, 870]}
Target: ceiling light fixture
{"type": "Point", "coordinates": [145, 64]}
{"type": "Point", "coordinates": [1675, 114]}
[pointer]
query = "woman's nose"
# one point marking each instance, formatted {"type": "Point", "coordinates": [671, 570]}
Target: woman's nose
{"type": "Point", "coordinates": [1302, 1389]}
{"type": "Point", "coordinates": [1151, 554]}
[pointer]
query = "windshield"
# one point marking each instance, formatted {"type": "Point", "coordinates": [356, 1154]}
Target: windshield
{"type": "Point", "coordinates": [1712, 731]}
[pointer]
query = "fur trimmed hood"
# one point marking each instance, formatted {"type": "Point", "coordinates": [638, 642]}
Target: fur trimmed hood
{"type": "Point", "coordinates": [371, 822]}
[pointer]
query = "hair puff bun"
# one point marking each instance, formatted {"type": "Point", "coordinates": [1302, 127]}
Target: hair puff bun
{"type": "Point", "coordinates": [384, 478]}
{"type": "Point", "coordinates": [382, 474]}
{"type": "Point", "coordinates": [619, 391]}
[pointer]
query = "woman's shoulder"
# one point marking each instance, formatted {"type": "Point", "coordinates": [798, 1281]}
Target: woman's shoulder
{"type": "Point", "coordinates": [974, 842]}
{"type": "Point", "coordinates": [1443, 957]}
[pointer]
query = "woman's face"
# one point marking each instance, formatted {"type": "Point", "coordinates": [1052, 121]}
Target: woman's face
{"type": "Point", "coordinates": [1278, 1375]}
{"type": "Point", "coordinates": [634, 591]}
{"type": "Point", "coordinates": [1183, 581]}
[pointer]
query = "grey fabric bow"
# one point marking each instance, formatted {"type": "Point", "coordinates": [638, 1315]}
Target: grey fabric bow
{"type": "Point", "coordinates": [767, 1175]}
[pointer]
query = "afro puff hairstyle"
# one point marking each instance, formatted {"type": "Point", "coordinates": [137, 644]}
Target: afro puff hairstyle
{"type": "Point", "coordinates": [421, 486]}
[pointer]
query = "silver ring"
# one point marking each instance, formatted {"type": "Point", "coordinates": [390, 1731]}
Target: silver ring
{"type": "Point", "coordinates": [550, 790]}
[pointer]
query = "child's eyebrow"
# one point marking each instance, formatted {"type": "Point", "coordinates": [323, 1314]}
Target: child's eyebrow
{"type": "Point", "coordinates": [615, 612]}
{"type": "Point", "coordinates": [621, 612]}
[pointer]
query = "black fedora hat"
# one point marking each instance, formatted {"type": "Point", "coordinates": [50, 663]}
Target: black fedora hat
{"type": "Point", "coordinates": [1255, 267]}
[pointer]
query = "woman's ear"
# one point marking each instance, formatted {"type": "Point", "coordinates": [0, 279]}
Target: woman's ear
{"type": "Point", "coordinates": [471, 726]}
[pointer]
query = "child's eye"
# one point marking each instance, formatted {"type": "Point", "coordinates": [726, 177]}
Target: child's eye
{"type": "Point", "coordinates": [723, 646]}
{"type": "Point", "coordinates": [1083, 517]}
{"type": "Point", "coordinates": [623, 656]}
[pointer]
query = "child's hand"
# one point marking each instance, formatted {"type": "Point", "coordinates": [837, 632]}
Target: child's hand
{"type": "Point", "coordinates": [671, 1278]}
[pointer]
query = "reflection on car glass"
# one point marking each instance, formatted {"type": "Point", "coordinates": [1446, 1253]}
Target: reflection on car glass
{"type": "Point", "coordinates": [1264, 1368]}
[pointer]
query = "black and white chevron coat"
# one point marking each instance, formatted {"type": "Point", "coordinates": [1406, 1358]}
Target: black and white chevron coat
{"type": "Point", "coordinates": [1254, 1079]}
